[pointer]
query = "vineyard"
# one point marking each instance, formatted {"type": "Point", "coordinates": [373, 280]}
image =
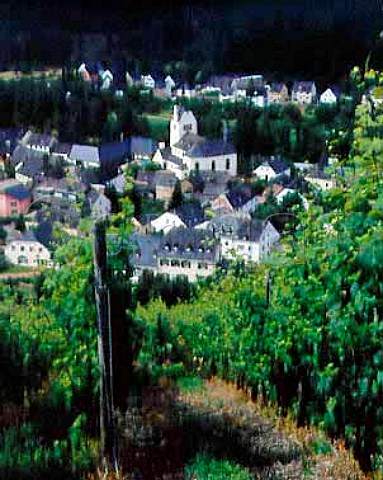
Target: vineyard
{"type": "Point", "coordinates": [294, 344]}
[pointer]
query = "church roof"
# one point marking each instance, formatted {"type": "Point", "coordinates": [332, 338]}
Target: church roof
{"type": "Point", "coordinates": [196, 146]}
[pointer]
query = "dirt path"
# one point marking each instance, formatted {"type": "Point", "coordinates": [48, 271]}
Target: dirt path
{"type": "Point", "coordinates": [336, 464]}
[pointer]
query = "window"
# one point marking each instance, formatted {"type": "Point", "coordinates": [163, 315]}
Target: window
{"type": "Point", "coordinates": [22, 248]}
{"type": "Point", "coordinates": [14, 212]}
{"type": "Point", "coordinates": [188, 127]}
{"type": "Point", "coordinates": [31, 249]}
{"type": "Point", "coordinates": [13, 204]}
{"type": "Point", "coordinates": [228, 164]}
{"type": "Point", "coordinates": [175, 263]}
{"type": "Point", "coordinates": [40, 249]}
{"type": "Point", "coordinates": [213, 166]}
{"type": "Point", "coordinates": [22, 260]}
{"type": "Point", "coordinates": [196, 166]}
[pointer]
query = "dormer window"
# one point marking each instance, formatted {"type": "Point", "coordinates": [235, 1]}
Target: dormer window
{"type": "Point", "coordinates": [189, 248]}
{"type": "Point", "coordinates": [167, 247]}
{"type": "Point", "coordinates": [200, 249]}
{"type": "Point", "coordinates": [175, 248]}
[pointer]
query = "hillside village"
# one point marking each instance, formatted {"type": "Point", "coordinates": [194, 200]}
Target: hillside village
{"type": "Point", "coordinates": [194, 211]}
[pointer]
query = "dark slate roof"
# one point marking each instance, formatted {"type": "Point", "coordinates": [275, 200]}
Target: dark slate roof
{"type": "Point", "coordinates": [238, 198]}
{"type": "Point", "coordinates": [88, 175]}
{"type": "Point", "coordinates": [85, 153]}
{"type": "Point", "coordinates": [223, 82]}
{"type": "Point", "coordinates": [142, 146]}
{"type": "Point", "coordinates": [114, 151]}
{"type": "Point", "coordinates": [197, 146]}
{"type": "Point", "coordinates": [63, 148]}
{"type": "Point", "coordinates": [32, 167]}
{"type": "Point", "coordinates": [303, 86]}
{"type": "Point", "coordinates": [229, 224]}
{"type": "Point", "coordinates": [167, 156]}
{"type": "Point", "coordinates": [251, 231]}
{"type": "Point", "coordinates": [165, 179]}
{"type": "Point", "coordinates": [188, 243]}
{"type": "Point", "coordinates": [18, 191]}
{"type": "Point", "coordinates": [276, 87]}
{"type": "Point", "coordinates": [42, 139]}
{"type": "Point", "coordinates": [278, 164]}
{"type": "Point", "coordinates": [191, 213]}
{"type": "Point", "coordinates": [24, 155]}
{"type": "Point", "coordinates": [146, 177]}
{"type": "Point", "coordinates": [144, 250]}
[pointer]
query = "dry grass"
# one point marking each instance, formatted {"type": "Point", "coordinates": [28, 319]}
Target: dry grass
{"type": "Point", "coordinates": [48, 73]}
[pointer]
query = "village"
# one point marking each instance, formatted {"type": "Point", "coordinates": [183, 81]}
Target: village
{"type": "Point", "coordinates": [194, 210]}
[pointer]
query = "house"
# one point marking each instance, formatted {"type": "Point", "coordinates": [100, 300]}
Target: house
{"type": "Point", "coordinates": [84, 72]}
{"type": "Point", "coordinates": [15, 198]}
{"type": "Point", "coordinates": [169, 85]}
{"type": "Point", "coordinates": [24, 249]}
{"type": "Point", "coordinates": [329, 97]}
{"type": "Point", "coordinates": [106, 79]}
{"type": "Point", "coordinates": [241, 237]}
{"type": "Point", "coordinates": [164, 185]}
{"type": "Point", "coordinates": [39, 142]}
{"type": "Point", "coordinates": [209, 185]}
{"type": "Point", "coordinates": [272, 168]}
{"type": "Point", "coordinates": [285, 192]}
{"type": "Point", "coordinates": [246, 82]}
{"type": "Point", "coordinates": [242, 201]}
{"type": "Point", "coordinates": [100, 205]}
{"type": "Point", "coordinates": [118, 183]}
{"type": "Point", "coordinates": [321, 179]}
{"type": "Point", "coordinates": [144, 184]}
{"type": "Point", "coordinates": [188, 252]}
{"type": "Point", "coordinates": [148, 81]}
{"type": "Point", "coordinates": [114, 153]}
{"type": "Point", "coordinates": [278, 93]}
{"type": "Point", "coordinates": [30, 171]}
{"type": "Point", "coordinates": [48, 188]}
{"type": "Point", "coordinates": [166, 222]}
{"type": "Point", "coordinates": [221, 205]}
{"type": "Point", "coordinates": [86, 156]}
{"type": "Point", "coordinates": [191, 152]}
{"type": "Point", "coordinates": [304, 92]}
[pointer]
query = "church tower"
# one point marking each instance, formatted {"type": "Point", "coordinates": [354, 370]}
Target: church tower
{"type": "Point", "coordinates": [183, 121]}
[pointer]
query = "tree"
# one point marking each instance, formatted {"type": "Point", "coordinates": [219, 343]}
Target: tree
{"type": "Point", "coordinates": [177, 197]}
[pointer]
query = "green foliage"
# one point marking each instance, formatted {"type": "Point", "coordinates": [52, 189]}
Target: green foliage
{"type": "Point", "coordinates": [206, 467]}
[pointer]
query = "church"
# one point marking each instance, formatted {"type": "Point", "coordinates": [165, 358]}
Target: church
{"type": "Point", "coordinates": [189, 152]}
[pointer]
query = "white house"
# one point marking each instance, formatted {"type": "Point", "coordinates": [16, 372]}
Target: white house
{"type": "Point", "coordinates": [148, 81]}
{"type": "Point", "coordinates": [289, 191]}
{"type": "Point", "coordinates": [107, 79]}
{"type": "Point", "coordinates": [328, 97]}
{"type": "Point", "coordinates": [27, 251]}
{"type": "Point", "coordinates": [166, 222]}
{"type": "Point", "coordinates": [190, 152]}
{"type": "Point", "coordinates": [322, 180]}
{"type": "Point", "coordinates": [169, 85]}
{"type": "Point", "coordinates": [244, 238]}
{"type": "Point", "coordinates": [304, 92]}
{"type": "Point", "coordinates": [272, 168]}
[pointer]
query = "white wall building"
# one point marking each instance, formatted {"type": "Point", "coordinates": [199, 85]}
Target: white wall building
{"type": "Point", "coordinates": [28, 252]}
{"type": "Point", "coordinates": [328, 97]}
{"type": "Point", "coordinates": [166, 222]}
{"type": "Point", "coordinates": [189, 151]}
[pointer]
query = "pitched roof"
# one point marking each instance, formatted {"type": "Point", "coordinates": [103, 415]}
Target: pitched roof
{"type": "Point", "coordinates": [188, 243]}
{"type": "Point", "coordinates": [303, 86]}
{"type": "Point", "coordinates": [238, 198]}
{"type": "Point", "coordinates": [118, 183]}
{"type": "Point", "coordinates": [228, 224]}
{"type": "Point", "coordinates": [14, 189]}
{"type": "Point", "coordinates": [142, 145]}
{"type": "Point", "coordinates": [165, 179]}
{"type": "Point", "coordinates": [276, 87]}
{"type": "Point", "coordinates": [63, 148]}
{"type": "Point", "coordinates": [197, 146]}
{"type": "Point", "coordinates": [168, 156]}
{"type": "Point", "coordinates": [31, 167]}
{"type": "Point", "coordinates": [144, 250]}
{"type": "Point", "coordinates": [85, 153]}
{"type": "Point", "coordinates": [191, 213]}
{"type": "Point", "coordinates": [41, 139]}
{"type": "Point", "coordinates": [114, 151]}
{"type": "Point", "coordinates": [23, 154]}
{"type": "Point", "coordinates": [278, 164]}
